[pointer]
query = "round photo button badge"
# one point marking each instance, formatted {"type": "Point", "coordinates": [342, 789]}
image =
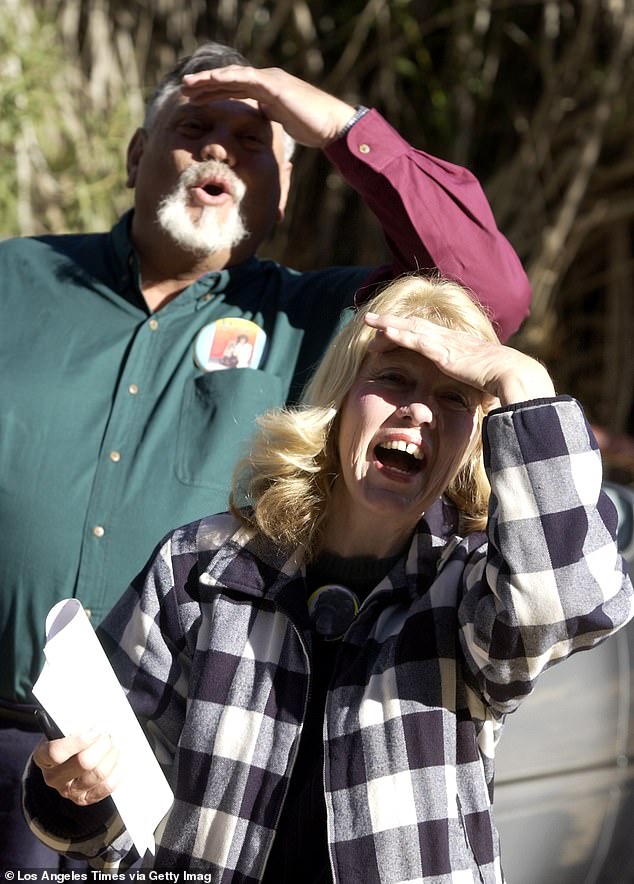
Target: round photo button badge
{"type": "Point", "coordinates": [231, 342]}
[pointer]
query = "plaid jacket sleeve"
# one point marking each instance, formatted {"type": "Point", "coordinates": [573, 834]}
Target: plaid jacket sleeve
{"type": "Point", "coordinates": [149, 636]}
{"type": "Point", "coordinates": [549, 581]}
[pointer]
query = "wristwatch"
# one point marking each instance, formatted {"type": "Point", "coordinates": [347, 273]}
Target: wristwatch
{"type": "Point", "coordinates": [361, 111]}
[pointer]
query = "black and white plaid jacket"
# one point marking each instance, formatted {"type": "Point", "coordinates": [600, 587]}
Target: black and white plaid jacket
{"type": "Point", "coordinates": [212, 644]}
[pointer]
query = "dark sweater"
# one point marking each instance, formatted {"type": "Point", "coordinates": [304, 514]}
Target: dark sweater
{"type": "Point", "coordinates": [300, 849]}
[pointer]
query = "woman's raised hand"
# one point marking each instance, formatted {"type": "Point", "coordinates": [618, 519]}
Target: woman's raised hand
{"type": "Point", "coordinates": [502, 373]}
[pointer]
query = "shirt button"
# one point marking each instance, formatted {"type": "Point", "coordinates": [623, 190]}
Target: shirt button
{"type": "Point", "coordinates": [364, 148]}
{"type": "Point", "coordinates": [115, 456]}
{"type": "Point", "coordinates": [153, 323]}
{"type": "Point", "coordinates": [133, 389]}
{"type": "Point", "coordinates": [99, 531]}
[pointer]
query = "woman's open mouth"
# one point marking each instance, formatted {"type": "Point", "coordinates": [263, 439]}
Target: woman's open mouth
{"type": "Point", "coordinates": [400, 457]}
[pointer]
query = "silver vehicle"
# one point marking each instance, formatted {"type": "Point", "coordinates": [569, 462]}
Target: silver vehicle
{"type": "Point", "coordinates": [564, 796]}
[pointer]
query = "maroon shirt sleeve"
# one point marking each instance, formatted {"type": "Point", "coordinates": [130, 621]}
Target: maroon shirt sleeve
{"type": "Point", "coordinates": [434, 215]}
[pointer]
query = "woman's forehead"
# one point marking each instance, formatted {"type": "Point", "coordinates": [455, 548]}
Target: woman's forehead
{"type": "Point", "coordinates": [418, 365]}
{"type": "Point", "coordinates": [399, 356]}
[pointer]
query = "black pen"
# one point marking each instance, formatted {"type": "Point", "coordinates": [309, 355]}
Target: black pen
{"type": "Point", "coordinates": [47, 725]}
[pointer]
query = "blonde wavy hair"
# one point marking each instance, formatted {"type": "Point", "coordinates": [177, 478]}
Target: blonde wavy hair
{"type": "Point", "coordinates": [287, 478]}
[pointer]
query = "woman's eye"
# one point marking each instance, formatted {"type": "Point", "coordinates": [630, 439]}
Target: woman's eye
{"type": "Point", "coordinates": [457, 399]}
{"type": "Point", "coordinates": [392, 377]}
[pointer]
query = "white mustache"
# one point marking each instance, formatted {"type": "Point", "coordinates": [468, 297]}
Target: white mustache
{"type": "Point", "coordinates": [200, 172]}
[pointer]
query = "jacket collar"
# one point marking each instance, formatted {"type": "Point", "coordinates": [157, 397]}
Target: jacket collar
{"type": "Point", "coordinates": [248, 564]}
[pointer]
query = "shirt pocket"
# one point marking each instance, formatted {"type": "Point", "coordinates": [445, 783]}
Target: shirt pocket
{"type": "Point", "coordinates": [217, 421]}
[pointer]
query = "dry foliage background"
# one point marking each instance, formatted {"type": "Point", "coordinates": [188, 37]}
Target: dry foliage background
{"type": "Point", "coordinates": [536, 97]}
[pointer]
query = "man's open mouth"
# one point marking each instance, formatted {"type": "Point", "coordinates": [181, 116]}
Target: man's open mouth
{"type": "Point", "coordinates": [215, 188]}
{"type": "Point", "coordinates": [211, 190]}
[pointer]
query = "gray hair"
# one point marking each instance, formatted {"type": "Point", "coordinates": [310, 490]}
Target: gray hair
{"type": "Point", "coordinates": [208, 56]}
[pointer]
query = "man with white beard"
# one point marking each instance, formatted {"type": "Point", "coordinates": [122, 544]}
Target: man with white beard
{"type": "Point", "coordinates": [119, 420]}
{"type": "Point", "coordinates": [208, 234]}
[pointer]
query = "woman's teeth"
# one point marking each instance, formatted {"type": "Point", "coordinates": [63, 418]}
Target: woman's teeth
{"type": "Point", "coordinates": [401, 445]}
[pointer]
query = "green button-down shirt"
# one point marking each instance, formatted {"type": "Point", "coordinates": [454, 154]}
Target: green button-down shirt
{"type": "Point", "coordinates": [133, 438]}
{"type": "Point", "coordinates": [110, 436]}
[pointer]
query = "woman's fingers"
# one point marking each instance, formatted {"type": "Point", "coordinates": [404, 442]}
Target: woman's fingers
{"type": "Point", "coordinates": [84, 768]}
{"type": "Point", "coordinates": [501, 372]}
{"type": "Point", "coordinates": [458, 354]}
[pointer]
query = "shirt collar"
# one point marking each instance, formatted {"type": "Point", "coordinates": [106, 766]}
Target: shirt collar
{"type": "Point", "coordinates": [202, 289]}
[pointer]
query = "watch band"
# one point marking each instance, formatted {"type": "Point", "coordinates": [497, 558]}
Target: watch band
{"type": "Point", "coordinates": [361, 111]}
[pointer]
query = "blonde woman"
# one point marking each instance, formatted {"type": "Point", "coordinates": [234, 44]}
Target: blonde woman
{"type": "Point", "coordinates": [329, 665]}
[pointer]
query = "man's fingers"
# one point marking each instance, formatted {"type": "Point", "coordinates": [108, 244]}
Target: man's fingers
{"type": "Point", "coordinates": [230, 82]}
{"type": "Point", "coordinates": [310, 116]}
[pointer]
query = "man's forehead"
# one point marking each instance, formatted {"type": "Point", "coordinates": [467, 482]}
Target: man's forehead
{"type": "Point", "coordinates": [243, 110]}
{"type": "Point", "coordinates": [235, 107]}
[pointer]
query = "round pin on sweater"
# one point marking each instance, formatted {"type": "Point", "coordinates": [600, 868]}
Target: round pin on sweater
{"type": "Point", "coordinates": [331, 610]}
{"type": "Point", "coordinates": [231, 342]}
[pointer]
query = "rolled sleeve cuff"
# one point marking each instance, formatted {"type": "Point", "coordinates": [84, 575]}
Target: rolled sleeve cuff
{"type": "Point", "coordinates": [63, 825]}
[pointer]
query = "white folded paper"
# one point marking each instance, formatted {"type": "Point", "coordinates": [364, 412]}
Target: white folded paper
{"type": "Point", "coordinates": [80, 691]}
